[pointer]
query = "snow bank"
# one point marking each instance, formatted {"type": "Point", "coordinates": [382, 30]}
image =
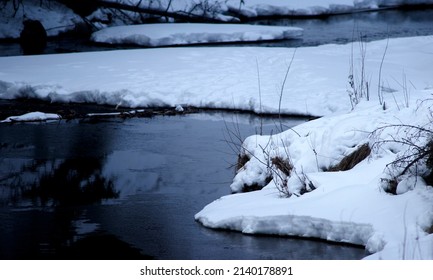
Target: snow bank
{"type": "Point", "coordinates": [32, 117]}
{"type": "Point", "coordinates": [154, 35]}
{"type": "Point", "coordinates": [317, 82]}
{"type": "Point", "coordinates": [346, 206]}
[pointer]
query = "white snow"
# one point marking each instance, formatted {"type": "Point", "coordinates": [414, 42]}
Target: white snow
{"type": "Point", "coordinates": [32, 117]}
{"type": "Point", "coordinates": [347, 206]}
{"type": "Point", "coordinates": [166, 34]}
{"type": "Point", "coordinates": [317, 83]}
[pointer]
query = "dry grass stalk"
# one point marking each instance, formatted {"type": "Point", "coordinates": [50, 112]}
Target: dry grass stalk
{"type": "Point", "coordinates": [282, 165]}
{"type": "Point", "coordinates": [242, 160]}
{"type": "Point", "coordinates": [349, 161]}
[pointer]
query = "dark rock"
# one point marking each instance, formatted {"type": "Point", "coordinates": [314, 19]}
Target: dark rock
{"type": "Point", "coordinates": [81, 7]}
{"type": "Point", "coordinates": [33, 37]}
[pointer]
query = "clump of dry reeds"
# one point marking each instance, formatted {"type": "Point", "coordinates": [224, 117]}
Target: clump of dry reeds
{"type": "Point", "coordinates": [282, 165]}
{"type": "Point", "coordinates": [349, 161]}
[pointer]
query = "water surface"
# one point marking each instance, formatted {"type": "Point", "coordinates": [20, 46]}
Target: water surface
{"type": "Point", "coordinates": [129, 189]}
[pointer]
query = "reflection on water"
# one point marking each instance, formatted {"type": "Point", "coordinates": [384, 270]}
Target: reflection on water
{"type": "Point", "coordinates": [72, 182]}
{"type": "Point", "coordinates": [129, 189]}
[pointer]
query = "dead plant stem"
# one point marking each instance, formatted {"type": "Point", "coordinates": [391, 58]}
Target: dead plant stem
{"type": "Point", "coordinates": [282, 89]}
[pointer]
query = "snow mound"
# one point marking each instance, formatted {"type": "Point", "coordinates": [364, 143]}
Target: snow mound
{"type": "Point", "coordinates": [154, 35]}
{"type": "Point", "coordinates": [32, 117]}
{"type": "Point", "coordinates": [343, 206]}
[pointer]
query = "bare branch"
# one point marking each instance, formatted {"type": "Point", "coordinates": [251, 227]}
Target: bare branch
{"type": "Point", "coordinates": [282, 89]}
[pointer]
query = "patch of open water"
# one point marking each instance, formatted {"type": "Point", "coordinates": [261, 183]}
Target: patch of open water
{"type": "Point", "coordinates": [129, 189]}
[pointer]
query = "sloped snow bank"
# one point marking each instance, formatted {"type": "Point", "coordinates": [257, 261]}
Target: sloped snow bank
{"type": "Point", "coordinates": [226, 77]}
{"type": "Point", "coordinates": [347, 206]}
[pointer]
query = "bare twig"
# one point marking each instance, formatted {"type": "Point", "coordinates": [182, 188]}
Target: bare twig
{"type": "Point", "coordinates": [260, 97]}
{"type": "Point", "coordinates": [418, 152]}
{"type": "Point", "coordinates": [379, 84]}
{"type": "Point", "coordinates": [282, 89]}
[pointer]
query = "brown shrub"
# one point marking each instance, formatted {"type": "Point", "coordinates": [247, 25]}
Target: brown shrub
{"type": "Point", "coordinates": [349, 161]}
{"type": "Point", "coordinates": [283, 165]}
{"type": "Point", "coordinates": [242, 160]}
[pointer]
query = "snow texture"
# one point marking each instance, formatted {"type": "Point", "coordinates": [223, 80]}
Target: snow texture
{"type": "Point", "coordinates": [224, 77]}
{"type": "Point", "coordinates": [346, 206]}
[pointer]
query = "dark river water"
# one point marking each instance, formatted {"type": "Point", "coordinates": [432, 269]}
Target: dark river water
{"type": "Point", "coordinates": [129, 189]}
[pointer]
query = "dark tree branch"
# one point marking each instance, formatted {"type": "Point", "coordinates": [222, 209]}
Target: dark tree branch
{"type": "Point", "coordinates": [176, 15]}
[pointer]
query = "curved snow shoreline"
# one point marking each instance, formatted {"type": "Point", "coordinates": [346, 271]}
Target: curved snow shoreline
{"type": "Point", "coordinates": [296, 226]}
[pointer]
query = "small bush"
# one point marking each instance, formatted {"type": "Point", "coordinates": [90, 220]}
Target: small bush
{"type": "Point", "coordinates": [429, 163]}
{"type": "Point", "coordinates": [415, 160]}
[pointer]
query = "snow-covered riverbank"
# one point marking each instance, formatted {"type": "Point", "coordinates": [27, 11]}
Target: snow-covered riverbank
{"type": "Point", "coordinates": [227, 78]}
{"type": "Point", "coordinates": [348, 206]}
{"type": "Point", "coordinates": [369, 204]}
{"type": "Point", "coordinates": [343, 206]}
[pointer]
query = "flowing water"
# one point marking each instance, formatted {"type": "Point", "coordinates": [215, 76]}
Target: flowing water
{"type": "Point", "coordinates": [130, 189]}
